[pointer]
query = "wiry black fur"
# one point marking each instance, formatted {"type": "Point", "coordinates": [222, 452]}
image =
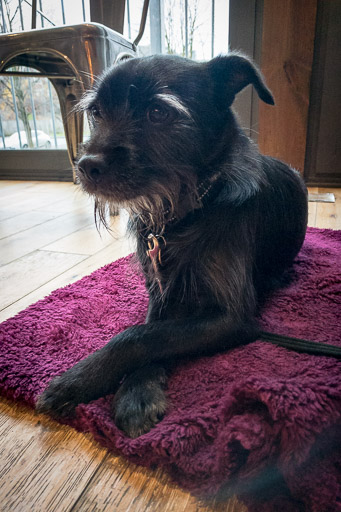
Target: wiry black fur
{"type": "Point", "coordinates": [163, 133]}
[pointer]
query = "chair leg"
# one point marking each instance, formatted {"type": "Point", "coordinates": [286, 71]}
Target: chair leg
{"type": "Point", "coordinates": [69, 94]}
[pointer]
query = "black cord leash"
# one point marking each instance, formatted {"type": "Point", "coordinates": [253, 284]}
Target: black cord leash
{"type": "Point", "coordinates": [300, 345]}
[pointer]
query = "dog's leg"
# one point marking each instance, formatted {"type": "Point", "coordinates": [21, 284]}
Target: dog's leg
{"type": "Point", "coordinates": [140, 402]}
{"type": "Point", "coordinates": [142, 345]}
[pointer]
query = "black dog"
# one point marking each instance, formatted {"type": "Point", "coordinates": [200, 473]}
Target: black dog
{"type": "Point", "coordinates": [216, 223]}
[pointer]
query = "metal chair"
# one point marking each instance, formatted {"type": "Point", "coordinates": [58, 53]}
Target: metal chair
{"type": "Point", "coordinates": [71, 56]}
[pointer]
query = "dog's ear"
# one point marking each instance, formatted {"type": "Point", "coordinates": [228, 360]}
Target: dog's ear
{"type": "Point", "coordinates": [231, 73]}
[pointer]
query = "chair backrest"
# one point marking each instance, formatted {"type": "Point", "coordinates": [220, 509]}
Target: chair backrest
{"type": "Point", "coordinates": [34, 14]}
{"type": "Point", "coordinates": [115, 9]}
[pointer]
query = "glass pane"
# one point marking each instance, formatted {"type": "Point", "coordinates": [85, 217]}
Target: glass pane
{"type": "Point", "coordinates": [205, 30]}
{"type": "Point", "coordinates": [29, 113]}
{"type": "Point", "coordinates": [29, 108]}
{"type": "Point", "coordinates": [17, 15]}
{"type": "Point", "coordinates": [132, 20]}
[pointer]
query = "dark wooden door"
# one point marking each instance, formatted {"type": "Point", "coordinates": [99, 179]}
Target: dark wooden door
{"type": "Point", "coordinates": [323, 149]}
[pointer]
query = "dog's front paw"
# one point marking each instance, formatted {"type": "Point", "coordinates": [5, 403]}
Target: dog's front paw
{"type": "Point", "coordinates": [140, 402]}
{"type": "Point", "coordinates": [60, 398]}
{"type": "Point", "coordinates": [88, 380]}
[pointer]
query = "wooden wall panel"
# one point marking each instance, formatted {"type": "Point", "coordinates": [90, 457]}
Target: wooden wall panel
{"type": "Point", "coordinates": [287, 56]}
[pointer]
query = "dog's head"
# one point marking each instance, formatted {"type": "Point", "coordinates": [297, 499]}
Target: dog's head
{"type": "Point", "coordinates": [157, 124]}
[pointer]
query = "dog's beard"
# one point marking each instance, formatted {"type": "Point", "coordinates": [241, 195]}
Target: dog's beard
{"type": "Point", "coordinates": [159, 203]}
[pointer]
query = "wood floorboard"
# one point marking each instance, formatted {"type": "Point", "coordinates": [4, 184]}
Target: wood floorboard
{"type": "Point", "coordinates": [48, 240]}
{"type": "Point", "coordinates": [328, 215]}
{"type": "Point", "coordinates": [152, 491]}
{"type": "Point", "coordinates": [30, 272]}
{"type": "Point", "coordinates": [37, 237]}
{"type": "Point", "coordinates": [7, 187]}
{"type": "Point", "coordinates": [44, 465]}
{"type": "Point", "coordinates": [85, 241]}
{"type": "Point", "coordinates": [73, 273]}
{"type": "Point", "coordinates": [31, 200]}
{"type": "Point", "coordinates": [18, 223]}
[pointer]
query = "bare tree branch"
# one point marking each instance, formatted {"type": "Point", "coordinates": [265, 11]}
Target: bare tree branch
{"type": "Point", "coordinates": [176, 41]}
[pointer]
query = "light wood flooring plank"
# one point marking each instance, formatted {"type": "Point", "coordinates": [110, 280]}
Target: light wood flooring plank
{"type": "Point", "coordinates": [28, 200]}
{"type": "Point", "coordinates": [313, 190]}
{"type": "Point", "coordinates": [7, 186]}
{"type": "Point", "coordinates": [16, 224]}
{"type": "Point", "coordinates": [7, 214]}
{"type": "Point", "coordinates": [135, 489]}
{"type": "Point", "coordinates": [25, 242]}
{"type": "Point", "coordinates": [328, 215]}
{"type": "Point", "coordinates": [312, 208]}
{"type": "Point", "coordinates": [44, 466]}
{"type": "Point", "coordinates": [312, 211]}
{"type": "Point", "coordinates": [10, 189]}
{"type": "Point", "coordinates": [85, 241]}
{"type": "Point", "coordinates": [116, 250]}
{"type": "Point", "coordinates": [61, 198]}
{"type": "Point", "coordinates": [69, 203]}
{"type": "Point", "coordinates": [19, 278]}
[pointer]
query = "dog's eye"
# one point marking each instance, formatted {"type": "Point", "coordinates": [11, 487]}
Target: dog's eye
{"type": "Point", "coordinates": [95, 112]}
{"type": "Point", "coordinates": [158, 114]}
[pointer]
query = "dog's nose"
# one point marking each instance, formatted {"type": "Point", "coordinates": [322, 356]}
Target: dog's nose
{"type": "Point", "coordinates": [92, 166]}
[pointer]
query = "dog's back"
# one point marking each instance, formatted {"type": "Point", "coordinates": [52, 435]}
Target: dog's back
{"type": "Point", "coordinates": [284, 214]}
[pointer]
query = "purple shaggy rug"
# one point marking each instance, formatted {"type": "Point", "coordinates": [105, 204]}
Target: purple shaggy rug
{"type": "Point", "coordinates": [259, 420]}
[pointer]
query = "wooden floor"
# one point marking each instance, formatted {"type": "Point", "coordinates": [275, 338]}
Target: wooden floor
{"type": "Point", "coordinates": [47, 240]}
